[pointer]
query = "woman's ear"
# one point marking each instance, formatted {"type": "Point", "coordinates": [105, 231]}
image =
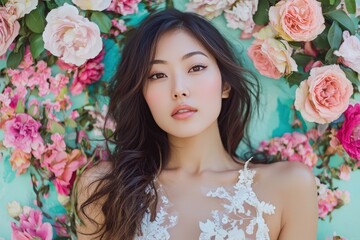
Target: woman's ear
{"type": "Point", "coordinates": [226, 90]}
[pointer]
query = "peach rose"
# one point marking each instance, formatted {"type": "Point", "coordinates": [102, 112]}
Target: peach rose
{"type": "Point", "coordinates": [297, 20]}
{"type": "Point", "coordinates": [325, 95]}
{"type": "Point", "coordinates": [350, 52]}
{"type": "Point", "coordinates": [22, 7]}
{"type": "Point", "coordinates": [20, 161]}
{"type": "Point", "coordinates": [9, 29]}
{"type": "Point", "coordinates": [92, 4]}
{"type": "Point", "coordinates": [71, 36]}
{"type": "Point", "coordinates": [272, 58]}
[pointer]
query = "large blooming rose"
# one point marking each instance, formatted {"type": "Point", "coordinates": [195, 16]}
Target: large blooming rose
{"type": "Point", "coordinates": [349, 134]}
{"type": "Point", "coordinates": [70, 36]}
{"type": "Point", "coordinates": [22, 132]}
{"type": "Point", "coordinates": [297, 20]}
{"type": "Point", "coordinates": [22, 7]}
{"type": "Point", "coordinates": [92, 4]}
{"type": "Point", "coordinates": [350, 51]}
{"type": "Point", "coordinates": [325, 95]}
{"type": "Point", "coordinates": [272, 58]}
{"type": "Point", "coordinates": [9, 29]}
{"type": "Point", "coordinates": [241, 15]}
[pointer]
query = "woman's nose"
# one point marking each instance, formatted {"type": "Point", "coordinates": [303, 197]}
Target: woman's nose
{"type": "Point", "coordinates": [180, 92]}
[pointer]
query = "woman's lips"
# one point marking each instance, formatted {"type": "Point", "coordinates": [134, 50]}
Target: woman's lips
{"type": "Point", "coordinates": [183, 112]}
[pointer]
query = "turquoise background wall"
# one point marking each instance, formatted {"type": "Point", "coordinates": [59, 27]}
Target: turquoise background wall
{"type": "Point", "coordinates": [274, 119]}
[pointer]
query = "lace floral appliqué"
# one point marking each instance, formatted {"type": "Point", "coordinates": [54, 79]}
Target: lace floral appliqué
{"type": "Point", "coordinates": [225, 225]}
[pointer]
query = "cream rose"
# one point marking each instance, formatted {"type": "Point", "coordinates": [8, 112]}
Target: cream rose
{"type": "Point", "coordinates": [241, 15]}
{"type": "Point", "coordinates": [14, 209]}
{"type": "Point", "coordinates": [92, 4]}
{"type": "Point", "coordinates": [70, 36]}
{"type": "Point", "coordinates": [9, 29]}
{"type": "Point", "coordinates": [22, 7]}
{"type": "Point", "coordinates": [297, 20]}
{"type": "Point", "coordinates": [350, 51]}
{"type": "Point", "coordinates": [325, 95]}
{"type": "Point", "coordinates": [272, 58]}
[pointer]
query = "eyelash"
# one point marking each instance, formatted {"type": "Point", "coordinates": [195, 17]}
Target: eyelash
{"type": "Point", "coordinates": [162, 74]}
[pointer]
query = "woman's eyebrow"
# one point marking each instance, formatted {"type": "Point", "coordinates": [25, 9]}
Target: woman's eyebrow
{"type": "Point", "coordinates": [188, 55]}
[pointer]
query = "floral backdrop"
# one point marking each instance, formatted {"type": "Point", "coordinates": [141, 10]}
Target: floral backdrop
{"type": "Point", "coordinates": [56, 58]}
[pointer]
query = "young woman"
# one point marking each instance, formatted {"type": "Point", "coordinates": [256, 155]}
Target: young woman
{"type": "Point", "coordinates": [181, 105]}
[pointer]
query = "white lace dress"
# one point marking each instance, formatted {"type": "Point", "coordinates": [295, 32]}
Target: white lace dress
{"type": "Point", "coordinates": [241, 217]}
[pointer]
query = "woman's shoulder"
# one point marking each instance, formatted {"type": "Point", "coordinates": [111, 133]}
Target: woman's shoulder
{"type": "Point", "coordinates": [94, 173]}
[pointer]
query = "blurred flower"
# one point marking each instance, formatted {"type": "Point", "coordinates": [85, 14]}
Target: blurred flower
{"type": "Point", "coordinates": [92, 4]}
{"type": "Point", "coordinates": [31, 226]}
{"type": "Point", "coordinates": [71, 36]}
{"type": "Point", "coordinates": [22, 7]}
{"type": "Point", "coordinates": [14, 209]}
{"type": "Point", "coordinates": [349, 133]}
{"type": "Point", "coordinates": [297, 20]}
{"type": "Point", "coordinates": [124, 7]}
{"type": "Point", "coordinates": [9, 29]}
{"type": "Point", "coordinates": [325, 95]}
{"type": "Point", "coordinates": [240, 16]}
{"type": "Point", "coordinates": [209, 8]}
{"type": "Point", "coordinates": [349, 52]}
{"type": "Point", "coordinates": [20, 161]}
{"type": "Point", "coordinates": [22, 132]}
{"type": "Point", "coordinates": [60, 226]}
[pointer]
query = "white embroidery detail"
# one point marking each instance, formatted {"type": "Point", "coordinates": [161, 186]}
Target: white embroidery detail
{"type": "Point", "coordinates": [223, 225]}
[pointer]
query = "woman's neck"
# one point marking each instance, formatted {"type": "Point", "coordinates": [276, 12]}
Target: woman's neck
{"type": "Point", "coordinates": [199, 153]}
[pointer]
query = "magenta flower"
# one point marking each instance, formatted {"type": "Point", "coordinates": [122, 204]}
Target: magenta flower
{"type": "Point", "coordinates": [22, 132]}
{"type": "Point", "coordinates": [31, 226]}
{"type": "Point", "coordinates": [124, 7]}
{"type": "Point", "coordinates": [349, 133]}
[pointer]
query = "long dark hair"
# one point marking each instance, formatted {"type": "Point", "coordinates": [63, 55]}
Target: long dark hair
{"type": "Point", "coordinates": [141, 147]}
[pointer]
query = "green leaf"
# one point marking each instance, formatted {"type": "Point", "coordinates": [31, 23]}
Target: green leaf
{"type": "Point", "coordinates": [35, 21]}
{"type": "Point", "coordinates": [351, 75]}
{"type": "Point", "coordinates": [321, 42]}
{"type": "Point", "coordinates": [15, 58]}
{"type": "Point", "coordinates": [56, 127]}
{"type": "Point", "coordinates": [328, 6]}
{"type": "Point", "coordinates": [344, 20]}
{"type": "Point", "coordinates": [350, 6]}
{"type": "Point", "coordinates": [61, 2]}
{"type": "Point", "coordinates": [36, 45]}
{"type": "Point", "coordinates": [335, 35]}
{"type": "Point", "coordinates": [330, 58]}
{"type": "Point", "coordinates": [302, 59]}
{"type": "Point", "coordinates": [51, 5]}
{"type": "Point", "coordinates": [102, 21]}
{"type": "Point", "coordinates": [295, 78]}
{"type": "Point", "coordinates": [3, 2]}
{"type": "Point", "coordinates": [261, 17]}
{"type": "Point", "coordinates": [70, 123]}
{"type": "Point", "coordinates": [20, 108]}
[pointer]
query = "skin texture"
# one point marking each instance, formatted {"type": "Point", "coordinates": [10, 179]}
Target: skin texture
{"type": "Point", "coordinates": [198, 161]}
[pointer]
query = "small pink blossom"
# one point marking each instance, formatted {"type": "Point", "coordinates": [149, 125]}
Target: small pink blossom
{"type": "Point", "coordinates": [345, 171]}
{"type": "Point", "coordinates": [74, 115]}
{"type": "Point", "coordinates": [124, 7]}
{"type": "Point", "coordinates": [118, 27]}
{"type": "Point", "coordinates": [349, 52]}
{"type": "Point", "coordinates": [60, 226]}
{"type": "Point", "coordinates": [31, 226]}
{"type": "Point", "coordinates": [57, 83]}
{"type": "Point", "coordinates": [22, 132]}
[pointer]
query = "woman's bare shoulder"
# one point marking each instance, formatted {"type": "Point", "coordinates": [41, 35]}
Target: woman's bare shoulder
{"type": "Point", "coordinates": [94, 173]}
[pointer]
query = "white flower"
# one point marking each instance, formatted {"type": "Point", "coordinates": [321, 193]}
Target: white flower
{"type": "Point", "coordinates": [14, 209]}
{"type": "Point", "coordinates": [71, 36]}
{"type": "Point", "coordinates": [63, 199]}
{"type": "Point", "coordinates": [241, 15]}
{"type": "Point", "coordinates": [98, 5]}
{"type": "Point", "coordinates": [22, 6]}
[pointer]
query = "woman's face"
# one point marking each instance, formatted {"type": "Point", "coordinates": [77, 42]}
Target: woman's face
{"type": "Point", "coordinates": [184, 87]}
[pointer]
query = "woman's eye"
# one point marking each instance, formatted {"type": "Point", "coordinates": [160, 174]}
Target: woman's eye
{"type": "Point", "coordinates": [157, 76]}
{"type": "Point", "coordinates": [197, 68]}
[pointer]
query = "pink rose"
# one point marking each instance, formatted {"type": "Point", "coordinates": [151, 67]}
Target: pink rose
{"type": "Point", "coordinates": [349, 52]}
{"type": "Point", "coordinates": [124, 7]}
{"type": "Point", "coordinates": [325, 95]}
{"type": "Point", "coordinates": [31, 226]}
{"type": "Point", "coordinates": [297, 20]}
{"type": "Point", "coordinates": [92, 4]}
{"type": "Point", "coordinates": [272, 58]}
{"type": "Point", "coordinates": [345, 171]}
{"type": "Point", "coordinates": [9, 29]}
{"type": "Point", "coordinates": [71, 36]}
{"type": "Point", "coordinates": [20, 161]}
{"type": "Point", "coordinates": [22, 132]}
{"type": "Point", "coordinates": [349, 133]}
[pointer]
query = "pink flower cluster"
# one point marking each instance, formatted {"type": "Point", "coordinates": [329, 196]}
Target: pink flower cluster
{"type": "Point", "coordinates": [118, 26]}
{"type": "Point", "coordinates": [292, 147]}
{"type": "Point", "coordinates": [124, 7]}
{"type": "Point", "coordinates": [88, 73]}
{"type": "Point", "coordinates": [349, 133]}
{"type": "Point", "coordinates": [328, 200]}
{"type": "Point", "coordinates": [38, 76]}
{"type": "Point", "coordinates": [61, 164]}
{"type": "Point", "coordinates": [31, 226]}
